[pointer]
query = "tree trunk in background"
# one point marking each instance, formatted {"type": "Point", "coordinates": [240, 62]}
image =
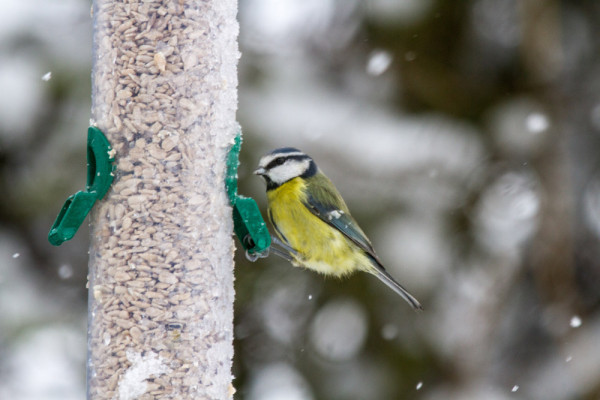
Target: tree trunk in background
{"type": "Point", "coordinates": [543, 59]}
{"type": "Point", "coordinates": [161, 256]}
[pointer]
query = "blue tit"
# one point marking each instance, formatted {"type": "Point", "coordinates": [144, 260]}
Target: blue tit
{"type": "Point", "coordinates": [313, 222]}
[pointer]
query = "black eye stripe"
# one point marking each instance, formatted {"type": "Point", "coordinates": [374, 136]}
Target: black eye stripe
{"type": "Point", "coordinates": [281, 160]}
{"type": "Point", "coordinates": [275, 162]}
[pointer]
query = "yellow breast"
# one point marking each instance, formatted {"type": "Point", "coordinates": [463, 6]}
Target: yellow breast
{"type": "Point", "coordinates": [320, 247]}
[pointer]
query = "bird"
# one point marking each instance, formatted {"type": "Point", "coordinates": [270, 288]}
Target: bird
{"type": "Point", "coordinates": [313, 223]}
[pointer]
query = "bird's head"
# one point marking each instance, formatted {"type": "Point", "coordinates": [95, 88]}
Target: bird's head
{"type": "Point", "coordinates": [282, 165]}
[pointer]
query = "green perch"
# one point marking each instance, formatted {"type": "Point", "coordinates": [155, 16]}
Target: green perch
{"type": "Point", "coordinates": [100, 158]}
{"type": "Point", "coordinates": [248, 223]}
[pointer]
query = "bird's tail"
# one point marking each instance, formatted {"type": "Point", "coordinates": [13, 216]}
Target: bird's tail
{"type": "Point", "coordinates": [386, 278]}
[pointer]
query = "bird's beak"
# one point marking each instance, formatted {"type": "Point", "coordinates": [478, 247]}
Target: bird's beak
{"type": "Point", "coordinates": [260, 171]}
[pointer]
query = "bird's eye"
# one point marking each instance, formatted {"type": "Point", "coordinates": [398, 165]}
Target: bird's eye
{"type": "Point", "coordinates": [276, 162]}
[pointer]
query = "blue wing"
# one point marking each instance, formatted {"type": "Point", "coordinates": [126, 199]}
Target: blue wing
{"type": "Point", "coordinates": [331, 209]}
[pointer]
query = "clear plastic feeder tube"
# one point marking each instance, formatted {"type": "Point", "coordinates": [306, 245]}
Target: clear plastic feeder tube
{"type": "Point", "coordinates": [161, 257]}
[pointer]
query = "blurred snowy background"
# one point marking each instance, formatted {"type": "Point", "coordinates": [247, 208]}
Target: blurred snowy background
{"type": "Point", "coordinates": [464, 136]}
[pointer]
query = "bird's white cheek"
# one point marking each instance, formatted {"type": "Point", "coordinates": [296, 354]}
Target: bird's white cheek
{"type": "Point", "coordinates": [278, 176]}
{"type": "Point", "coordinates": [288, 171]}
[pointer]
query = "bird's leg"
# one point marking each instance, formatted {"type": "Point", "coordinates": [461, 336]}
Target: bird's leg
{"type": "Point", "coordinates": [282, 250]}
{"type": "Point", "coordinates": [271, 250]}
{"type": "Point", "coordinates": [285, 246]}
{"type": "Point", "coordinates": [282, 253]}
{"type": "Point", "coordinates": [277, 247]}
